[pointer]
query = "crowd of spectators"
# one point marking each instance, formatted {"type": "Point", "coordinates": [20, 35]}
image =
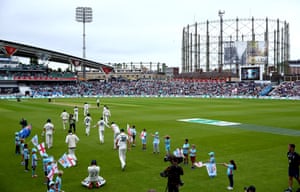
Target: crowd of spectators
{"type": "Point", "coordinates": [151, 88]}
{"type": "Point", "coordinates": [161, 88]}
{"type": "Point", "coordinates": [287, 89]}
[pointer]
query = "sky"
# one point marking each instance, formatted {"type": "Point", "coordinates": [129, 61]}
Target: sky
{"type": "Point", "coordinates": [130, 30]}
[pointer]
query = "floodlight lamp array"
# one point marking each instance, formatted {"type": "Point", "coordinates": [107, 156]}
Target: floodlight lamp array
{"type": "Point", "coordinates": [84, 14]}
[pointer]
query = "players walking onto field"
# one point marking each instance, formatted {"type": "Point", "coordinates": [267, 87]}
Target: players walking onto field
{"type": "Point", "coordinates": [26, 156]}
{"type": "Point", "coordinates": [156, 143]}
{"type": "Point", "coordinates": [185, 148]}
{"type": "Point", "coordinates": [101, 126]}
{"type": "Point", "coordinates": [231, 166]}
{"type": "Point", "coordinates": [72, 123]}
{"type": "Point", "coordinates": [65, 118]}
{"type": "Point", "coordinates": [34, 160]}
{"type": "Point", "coordinates": [115, 128]}
{"type": "Point", "coordinates": [122, 142]}
{"type": "Point", "coordinates": [86, 107]}
{"type": "Point", "coordinates": [76, 113]}
{"type": "Point", "coordinates": [106, 113]}
{"type": "Point", "coordinates": [193, 152]}
{"type": "Point", "coordinates": [143, 137]}
{"type": "Point", "coordinates": [294, 162]}
{"type": "Point", "coordinates": [72, 140]}
{"type": "Point", "coordinates": [49, 130]}
{"type": "Point", "coordinates": [87, 123]}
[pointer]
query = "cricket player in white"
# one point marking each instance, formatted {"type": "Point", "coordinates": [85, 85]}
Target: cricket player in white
{"type": "Point", "coordinates": [72, 140]}
{"type": "Point", "coordinates": [116, 131]}
{"type": "Point", "coordinates": [49, 130]}
{"type": "Point", "coordinates": [101, 125]}
{"type": "Point", "coordinates": [65, 118]}
{"type": "Point", "coordinates": [86, 107]}
{"type": "Point", "coordinates": [93, 177]}
{"type": "Point", "coordinates": [87, 123]}
{"type": "Point", "coordinates": [122, 142]}
{"type": "Point", "coordinates": [76, 113]}
{"type": "Point", "coordinates": [106, 113]}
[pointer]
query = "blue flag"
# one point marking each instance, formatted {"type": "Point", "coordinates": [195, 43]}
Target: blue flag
{"type": "Point", "coordinates": [25, 132]}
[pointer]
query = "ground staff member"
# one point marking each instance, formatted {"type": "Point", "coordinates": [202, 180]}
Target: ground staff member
{"type": "Point", "coordinates": [294, 161]}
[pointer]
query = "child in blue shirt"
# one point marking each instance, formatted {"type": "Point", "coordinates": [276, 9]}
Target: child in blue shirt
{"type": "Point", "coordinates": [51, 187]}
{"type": "Point", "coordinates": [17, 143]}
{"type": "Point", "coordinates": [230, 167]}
{"type": "Point", "coordinates": [185, 150]}
{"type": "Point", "coordinates": [167, 144]}
{"type": "Point", "coordinates": [26, 156]}
{"type": "Point", "coordinates": [156, 143]}
{"type": "Point", "coordinates": [58, 181]}
{"type": "Point", "coordinates": [34, 160]}
{"type": "Point", "coordinates": [193, 152]}
{"type": "Point", "coordinates": [22, 150]}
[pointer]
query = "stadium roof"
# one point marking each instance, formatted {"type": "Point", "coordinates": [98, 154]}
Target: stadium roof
{"type": "Point", "coordinates": [22, 50]}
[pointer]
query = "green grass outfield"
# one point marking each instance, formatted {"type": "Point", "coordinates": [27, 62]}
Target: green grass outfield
{"type": "Point", "coordinates": [258, 144]}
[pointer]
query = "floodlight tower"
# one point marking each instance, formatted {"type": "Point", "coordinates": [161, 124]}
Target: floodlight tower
{"type": "Point", "coordinates": [84, 15]}
{"type": "Point", "coordinates": [221, 13]}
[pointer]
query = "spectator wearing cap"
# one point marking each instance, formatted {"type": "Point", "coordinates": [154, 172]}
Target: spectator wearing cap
{"type": "Point", "coordinates": [156, 142]}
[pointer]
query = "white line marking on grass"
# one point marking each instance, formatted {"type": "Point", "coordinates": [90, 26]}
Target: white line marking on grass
{"type": "Point", "coordinates": [209, 122]}
{"type": "Point", "coordinates": [258, 128]}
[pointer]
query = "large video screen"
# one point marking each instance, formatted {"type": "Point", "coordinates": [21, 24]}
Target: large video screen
{"type": "Point", "coordinates": [250, 73]}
